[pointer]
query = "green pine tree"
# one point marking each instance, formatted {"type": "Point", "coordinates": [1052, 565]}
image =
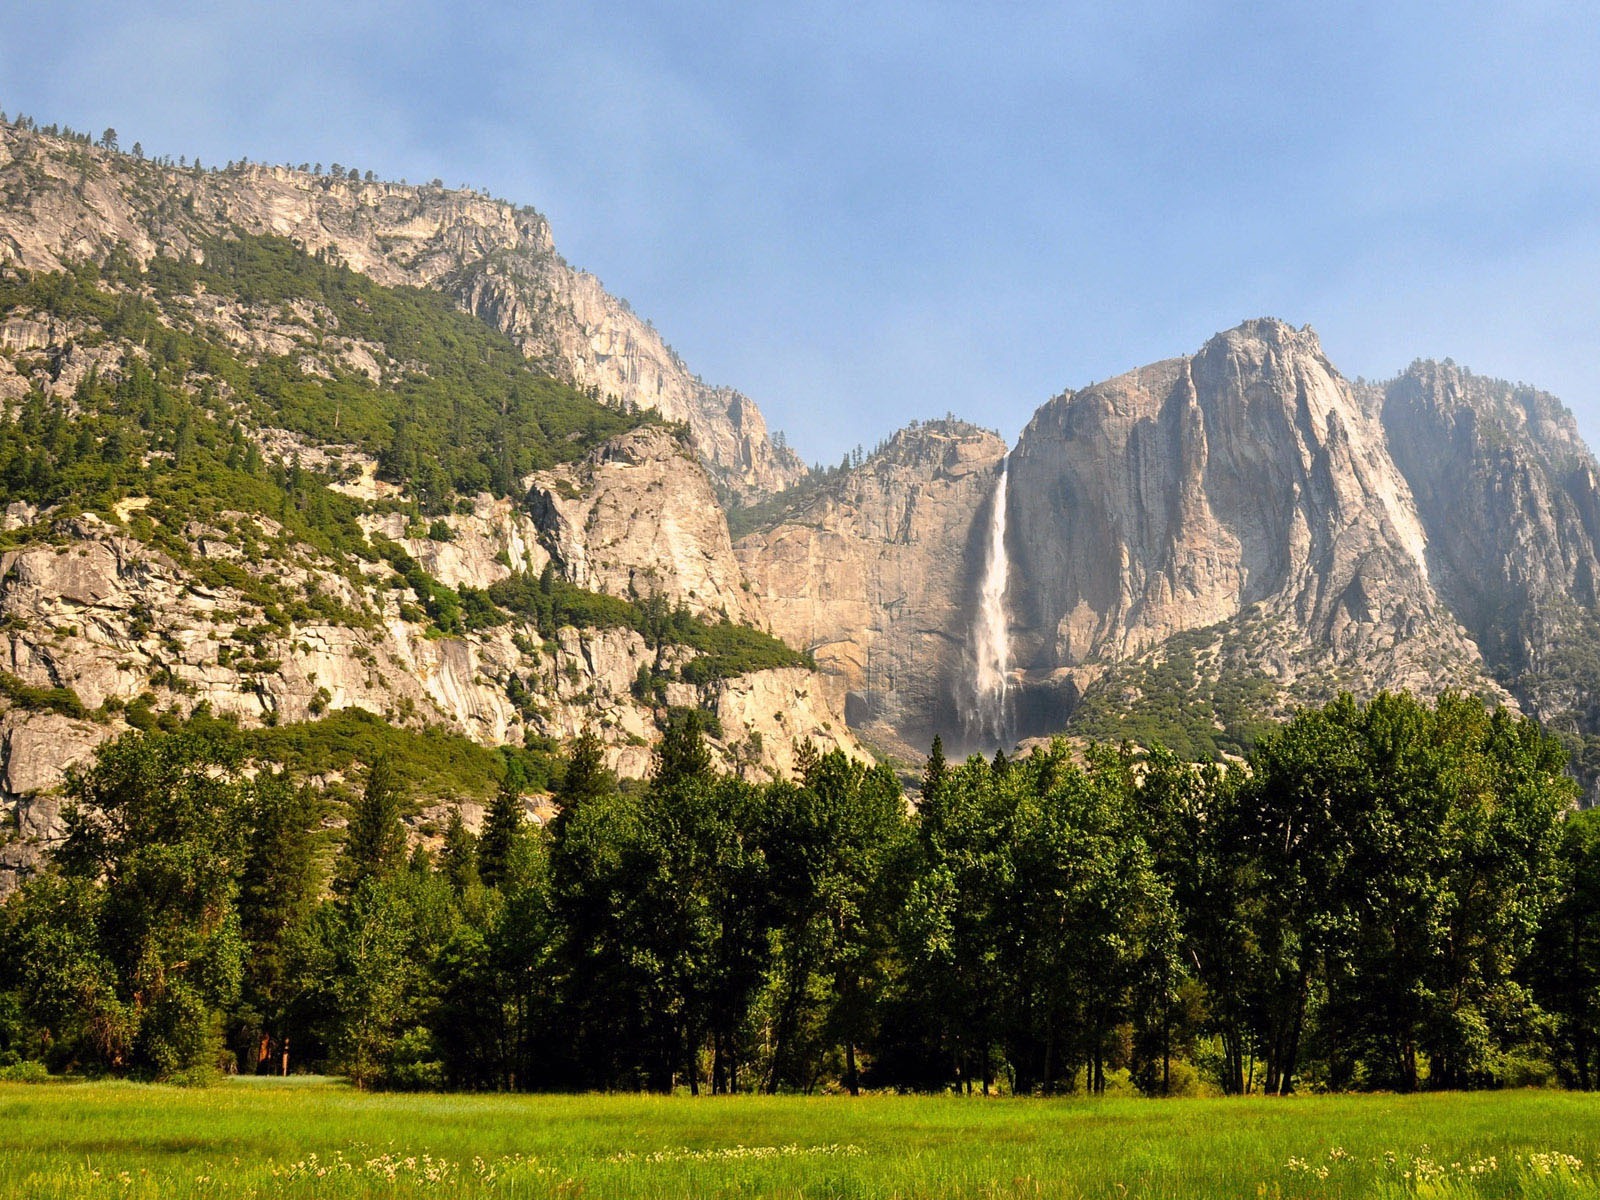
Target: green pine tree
{"type": "Point", "coordinates": [501, 828]}
{"type": "Point", "coordinates": [682, 756]}
{"type": "Point", "coordinates": [585, 778]}
{"type": "Point", "coordinates": [375, 839]}
{"type": "Point", "coordinates": [459, 858]}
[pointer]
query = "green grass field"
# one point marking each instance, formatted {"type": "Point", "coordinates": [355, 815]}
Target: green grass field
{"type": "Point", "coordinates": [301, 1139]}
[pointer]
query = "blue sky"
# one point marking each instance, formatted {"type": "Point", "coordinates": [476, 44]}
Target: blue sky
{"type": "Point", "coordinates": [865, 213]}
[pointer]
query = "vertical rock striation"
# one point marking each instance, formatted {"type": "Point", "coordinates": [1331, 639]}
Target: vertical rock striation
{"type": "Point", "coordinates": [877, 575]}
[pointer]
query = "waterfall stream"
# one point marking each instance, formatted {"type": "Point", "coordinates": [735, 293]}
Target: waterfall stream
{"type": "Point", "coordinates": [991, 648]}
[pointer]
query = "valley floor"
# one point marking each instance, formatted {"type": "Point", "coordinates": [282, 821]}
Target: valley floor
{"type": "Point", "coordinates": [319, 1139]}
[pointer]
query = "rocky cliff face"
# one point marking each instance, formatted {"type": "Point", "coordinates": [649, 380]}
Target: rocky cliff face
{"type": "Point", "coordinates": [66, 201]}
{"type": "Point", "coordinates": [111, 621]}
{"type": "Point", "coordinates": [1509, 497]}
{"type": "Point", "coordinates": [637, 518]}
{"type": "Point", "coordinates": [1203, 540]}
{"type": "Point", "coordinates": [1507, 492]}
{"type": "Point", "coordinates": [1246, 479]}
{"type": "Point", "coordinates": [268, 575]}
{"type": "Point", "coordinates": [876, 575]}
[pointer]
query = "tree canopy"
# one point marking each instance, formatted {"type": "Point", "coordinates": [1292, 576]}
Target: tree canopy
{"type": "Point", "coordinates": [1388, 894]}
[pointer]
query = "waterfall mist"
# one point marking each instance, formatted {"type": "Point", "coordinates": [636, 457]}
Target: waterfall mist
{"type": "Point", "coordinates": [985, 716]}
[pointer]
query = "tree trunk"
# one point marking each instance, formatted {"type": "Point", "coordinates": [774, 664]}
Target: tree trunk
{"type": "Point", "coordinates": [691, 1052]}
{"type": "Point", "coordinates": [788, 1019]}
{"type": "Point", "coordinates": [1292, 1050]}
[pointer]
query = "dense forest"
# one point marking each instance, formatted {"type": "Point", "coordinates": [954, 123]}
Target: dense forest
{"type": "Point", "coordinates": [1390, 895]}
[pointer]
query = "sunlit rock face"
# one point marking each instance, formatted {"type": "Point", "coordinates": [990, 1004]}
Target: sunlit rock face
{"type": "Point", "coordinates": [877, 574]}
{"type": "Point", "coordinates": [1247, 492]}
{"type": "Point", "coordinates": [1248, 478]}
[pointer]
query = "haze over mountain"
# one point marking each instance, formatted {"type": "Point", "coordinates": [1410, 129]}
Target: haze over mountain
{"type": "Point", "coordinates": [862, 214]}
{"type": "Point", "coordinates": [283, 448]}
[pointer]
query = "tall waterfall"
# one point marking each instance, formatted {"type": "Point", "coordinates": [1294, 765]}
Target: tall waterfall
{"type": "Point", "coordinates": [991, 648]}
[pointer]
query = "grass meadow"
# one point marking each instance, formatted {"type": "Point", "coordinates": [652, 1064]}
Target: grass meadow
{"type": "Point", "coordinates": [320, 1139]}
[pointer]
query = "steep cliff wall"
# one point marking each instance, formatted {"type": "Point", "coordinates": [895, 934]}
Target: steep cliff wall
{"type": "Point", "coordinates": [1508, 494]}
{"type": "Point", "coordinates": [1248, 480]}
{"type": "Point", "coordinates": [638, 517]}
{"type": "Point", "coordinates": [1509, 497]}
{"type": "Point", "coordinates": [876, 575]}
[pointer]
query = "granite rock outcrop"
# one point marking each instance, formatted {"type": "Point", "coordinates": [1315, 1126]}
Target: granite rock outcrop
{"type": "Point", "coordinates": [876, 575]}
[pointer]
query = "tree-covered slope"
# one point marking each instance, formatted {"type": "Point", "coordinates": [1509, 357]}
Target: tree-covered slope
{"type": "Point", "coordinates": [259, 486]}
{"type": "Point", "coordinates": [64, 198]}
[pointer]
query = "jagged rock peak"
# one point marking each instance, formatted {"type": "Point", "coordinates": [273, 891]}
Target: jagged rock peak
{"type": "Point", "coordinates": [1179, 495]}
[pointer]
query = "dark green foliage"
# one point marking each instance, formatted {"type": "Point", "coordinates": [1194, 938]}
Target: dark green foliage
{"type": "Point", "coordinates": [466, 412]}
{"type": "Point", "coordinates": [367, 976]}
{"type": "Point", "coordinates": [832, 844]}
{"type": "Point", "coordinates": [1394, 861]}
{"type": "Point", "coordinates": [1179, 700]}
{"type": "Point", "coordinates": [374, 840]}
{"type": "Point", "coordinates": [424, 761]}
{"type": "Point", "coordinates": [725, 649]}
{"type": "Point", "coordinates": [1566, 966]}
{"type": "Point", "coordinates": [547, 603]}
{"type": "Point", "coordinates": [53, 699]}
{"type": "Point", "coordinates": [1033, 915]}
{"type": "Point", "coordinates": [682, 759]}
{"type": "Point", "coordinates": [585, 777]}
{"type": "Point", "coordinates": [659, 901]}
{"type": "Point", "coordinates": [161, 431]}
{"type": "Point", "coordinates": [459, 857]}
{"type": "Point", "coordinates": [280, 881]}
{"type": "Point", "coordinates": [1384, 896]}
{"type": "Point", "coordinates": [502, 829]}
{"type": "Point", "coordinates": [132, 952]}
{"type": "Point", "coordinates": [460, 411]}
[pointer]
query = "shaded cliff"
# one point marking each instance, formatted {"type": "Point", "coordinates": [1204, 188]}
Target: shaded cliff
{"type": "Point", "coordinates": [1509, 496]}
